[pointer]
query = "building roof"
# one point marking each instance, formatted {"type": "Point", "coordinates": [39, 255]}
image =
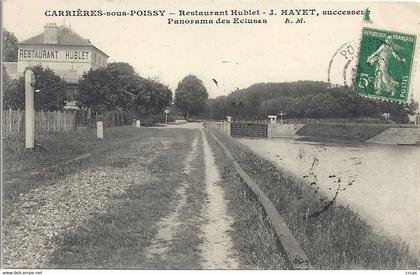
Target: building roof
{"type": "Point", "coordinates": [65, 37]}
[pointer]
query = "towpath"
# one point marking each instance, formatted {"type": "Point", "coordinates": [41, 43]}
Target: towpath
{"type": "Point", "coordinates": [199, 215]}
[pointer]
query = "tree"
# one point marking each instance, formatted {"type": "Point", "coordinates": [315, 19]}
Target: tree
{"type": "Point", "coordinates": [119, 87]}
{"type": "Point", "coordinates": [10, 49]}
{"type": "Point", "coordinates": [153, 97]}
{"type": "Point", "coordinates": [191, 96]}
{"type": "Point", "coordinates": [51, 95]}
{"type": "Point", "coordinates": [12, 96]}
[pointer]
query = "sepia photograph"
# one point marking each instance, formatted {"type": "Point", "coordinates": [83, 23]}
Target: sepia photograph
{"type": "Point", "coordinates": [143, 135]}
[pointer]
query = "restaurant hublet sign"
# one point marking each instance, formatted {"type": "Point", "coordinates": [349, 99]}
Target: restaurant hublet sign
{"type": "Point", "coordinates": [49, 54]}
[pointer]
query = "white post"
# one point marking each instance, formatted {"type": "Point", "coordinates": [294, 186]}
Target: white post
{"type": "Point", "coordinates": [227, 124]}
{"type": "Point", "coordinates": [273, 119]}
{"type": "Point", "coordinates": [29, 110]}
{"type": "Point", "coordinates": [138, 123]}
{"type": "Point", "coordinates": [100, 129]}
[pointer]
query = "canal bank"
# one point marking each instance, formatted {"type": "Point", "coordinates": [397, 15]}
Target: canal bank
{"type": "Point", "coordinates": [379, 182]}
{"type": "Point", "coordinates": [332, 235]}
{"type": "Point", "coordinates": [359, 132]}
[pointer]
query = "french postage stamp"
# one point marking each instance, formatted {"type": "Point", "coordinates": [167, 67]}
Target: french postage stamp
{"type": "Point", "coordinates": [385, 64]}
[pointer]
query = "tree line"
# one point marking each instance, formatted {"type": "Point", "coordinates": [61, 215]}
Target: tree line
{"type": "Point", "coordinates": [116, 87]}
{"type": "Point", "coordinates": [303, 99]}
{"type": "Point", "coordinates": [119, 87]}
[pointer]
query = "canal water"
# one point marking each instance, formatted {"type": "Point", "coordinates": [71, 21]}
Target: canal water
{"type": "Point", "coordinates": [380, 182]}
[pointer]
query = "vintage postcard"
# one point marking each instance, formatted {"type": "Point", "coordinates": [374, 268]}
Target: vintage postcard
{"type": "Point", "coordinates": [210, 135]}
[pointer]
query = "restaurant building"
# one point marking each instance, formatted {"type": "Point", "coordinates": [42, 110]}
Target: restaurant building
{"type": "Point", "coordinates": [62, 50]}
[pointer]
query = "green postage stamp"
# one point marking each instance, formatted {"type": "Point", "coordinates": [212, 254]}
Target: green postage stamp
{"type": "Point", "coordinates": [385, 64]}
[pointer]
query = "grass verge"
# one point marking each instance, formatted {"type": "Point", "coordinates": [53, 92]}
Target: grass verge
{"type": "Point", "coordinates": [21, 167]}
{"type": "Point", "coordinates": [184, 252]}
{"type": "Point", "coordinates": [337, 238]}
{"type": "Point", "coordinates": [252, 236]}
{"type": "Point", "coordinates": [117, 238]}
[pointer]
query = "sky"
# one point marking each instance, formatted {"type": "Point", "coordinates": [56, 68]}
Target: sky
{"type": "Point", "coordinates": [236, 55]}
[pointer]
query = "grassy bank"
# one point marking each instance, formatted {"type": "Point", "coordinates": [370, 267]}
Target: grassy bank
{"type": "Point", "coordinates": [24, 170]}
{"type": "Point", "coordinates": [98, 213]}
{"type": "Point", "coordinates": [347, 132]}
{"type": "Point", "coordinates": [333, 238]}
{"type": "Point", "coordinates": [252, 236]}
{"type": "Point", "coordinates": [118, 238]}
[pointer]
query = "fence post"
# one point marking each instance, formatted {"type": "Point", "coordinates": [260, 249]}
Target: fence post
{"type": "Point", "coordinates": [29, 110]}
{"type": "Point", "coordinates": [52, 120]}
{"type": "Point", "coordinates": [18, 120]}
{"type": "Point", "coordinates": [59, 121]}
{"type": "Point", "coordinates": [63, 120]}
{"type": "Point", "coordinates": [41, 120]}
{"type": "Point", "coordinates": [66, 122]}
{"type": "Point", "coordinates": [10, 120]}
{"type": "Point", "coordinates": [47, 118]}
{"type": "Point", "coordinates": [54, 116]}
{"type": "Point", "coordinates": [74, 120]}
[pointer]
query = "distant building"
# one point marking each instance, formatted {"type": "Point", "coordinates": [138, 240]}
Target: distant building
{"type": "Point", "coordinates": [62, 50]}
{"type": "Point", "coordinates": [415, 118]}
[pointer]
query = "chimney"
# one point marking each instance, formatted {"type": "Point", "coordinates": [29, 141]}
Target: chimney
{"type": "Point", "coordinates": [50, 34]}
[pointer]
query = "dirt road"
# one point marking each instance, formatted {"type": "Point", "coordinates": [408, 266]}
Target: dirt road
{"type": "Point", "coordinates": [152, 200]}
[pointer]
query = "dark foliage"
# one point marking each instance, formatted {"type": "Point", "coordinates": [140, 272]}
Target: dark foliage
{"type": "Point", "coordinates": [51, 94]}
{"type": "Point", "coordinates": [303, 99]}
{"type": "Point", "coordinates": [9, 46]}
{"type": "Point", "coordinates": [119, 87]}
{"type": "Point", "coordinates": [191, 96]}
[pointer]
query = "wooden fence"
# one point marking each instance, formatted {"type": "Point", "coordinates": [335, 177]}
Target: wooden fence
{"type": "Point", "coordinates": [59, 121]}
{"type": "Point", "coordinates": [110, 119]}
